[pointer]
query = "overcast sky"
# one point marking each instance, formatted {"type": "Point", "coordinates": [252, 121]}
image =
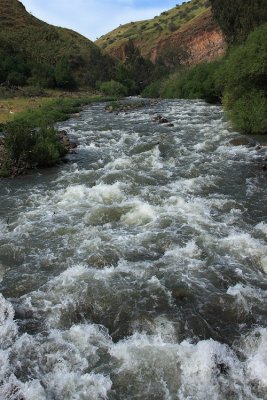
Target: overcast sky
{"type": "Point", "coordinates": [93, 18]}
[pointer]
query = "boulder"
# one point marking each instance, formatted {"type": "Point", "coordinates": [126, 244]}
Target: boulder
{"type": "Point", "coordinates": [160, 120]}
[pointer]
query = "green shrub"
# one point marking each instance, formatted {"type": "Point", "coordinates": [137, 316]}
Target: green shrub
{"type": "Point", "coordinates": [47, 150]}
{"type": "Point", "coordinates": [114, 88]}
{"type": "Point", "coordinates": [16, 78]}
{"type": "Point", "coordinates": [29, 147]}
{"type": "Point", "coordinates": [198, 82]}
{"type": "Point", "coordinates": [153, 90]}
{"type": "Point", "coordinates": [63, 75]}
{"type": "Point", "coordinates": [248, 112]}
{"type": "Point", "coordinates": [247, 62]}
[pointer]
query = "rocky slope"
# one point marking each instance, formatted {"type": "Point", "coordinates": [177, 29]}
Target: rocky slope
{"type": "Point", "coordinates": [201, 38]}
{"type": "Point", "coordinates": [185, 34]}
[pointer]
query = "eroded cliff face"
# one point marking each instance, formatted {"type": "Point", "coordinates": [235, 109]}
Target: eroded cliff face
{"type": "Point", "coordinates": [197, 41]}
{"type": "Point", "coordinates": [201, 39]}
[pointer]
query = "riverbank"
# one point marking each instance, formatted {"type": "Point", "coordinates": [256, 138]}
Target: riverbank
{"type": "Point", "coordinates": [29, 139]}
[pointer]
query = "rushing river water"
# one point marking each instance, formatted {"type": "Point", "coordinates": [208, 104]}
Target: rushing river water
{"type": "Point", "coordinates": [139, 269]}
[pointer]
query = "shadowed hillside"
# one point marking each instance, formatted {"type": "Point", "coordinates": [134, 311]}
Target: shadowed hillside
{"type": "Point", "coordinates": [37, 43]}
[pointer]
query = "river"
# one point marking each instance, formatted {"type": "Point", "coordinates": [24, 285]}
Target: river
{"type": "Point", "coordinates": [138, 270]}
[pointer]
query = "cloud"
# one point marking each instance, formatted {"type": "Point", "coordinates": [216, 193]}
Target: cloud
{"type": "Point", "coordinates": [93, 18]}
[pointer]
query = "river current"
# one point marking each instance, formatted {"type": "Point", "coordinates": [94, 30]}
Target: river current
{"type": "Point", "coordinates": [138, 270]}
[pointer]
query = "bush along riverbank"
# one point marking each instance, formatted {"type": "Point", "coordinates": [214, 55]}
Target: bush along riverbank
{"type": "Point", "coordinates": [30, 139]}
{"type": "Point", "coordinates": [238, 81]}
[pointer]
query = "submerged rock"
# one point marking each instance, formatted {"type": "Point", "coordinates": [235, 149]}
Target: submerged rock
{"type": "Point", "coordinates": [243, 141]}
{"type": "Point", "coordinates": [65, 140]}
{"type": "Point", "coordinates": [160, 120]}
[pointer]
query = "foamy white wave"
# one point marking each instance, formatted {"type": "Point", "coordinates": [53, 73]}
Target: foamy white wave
{"type": "Point", "coordinates": [101, 193]}
{"type": "Point", "coordinates": [204, 367]}
{"type": "Point", "coordinates": [200, 146]}
{"type": "Point", "coordinates": [194, 211]}
{"type": "Point", "coordinates": [8, 328]}
{"type": "Point", "coordinates": [262, 226]}
{"type": "Point", "coordinates": [140, 214]}
{"type": "Point", "coordinates": [252, 186]}
{"type": "Point", "coordinates": [119, 163]}
{"type": "Point", "coordinates": [193, 185]}
{"type": "Point", "coordinates": [58, 301]}
{"type": "Point", "coordinates": [91, 146]}
{"type": "Point", "coordinates": [3, 228]}
{"type": "Point", "coordinates": [60, 365]}
{"type": "Point", "coordinates": [190, 251]}
{"type": "Point", "coordinates": [243, 245]}
{"type": "Point", "coordinates": [2, 272]}
{"type": "Point", "coordinates": [74, 386]}
{"type": "Point", "coordinates": [15, 389]}
{"type": "Point", "coordinates": [206, 370]}
{"type": "Point", "coordinates": [150, 159]}
{"type": "Point", "coordinates": [247, 296]}
{"type": "Point", "coordinates": [107, 194]}
{"type": "Point", "coordinates": [255, 350]}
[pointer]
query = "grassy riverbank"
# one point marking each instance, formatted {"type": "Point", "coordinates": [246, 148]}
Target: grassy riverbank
{"type": "Point", "coordinates": [29, 138]}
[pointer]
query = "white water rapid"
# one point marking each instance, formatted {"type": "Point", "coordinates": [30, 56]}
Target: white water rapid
{"type": "Point", "coordinates": [138, 270]}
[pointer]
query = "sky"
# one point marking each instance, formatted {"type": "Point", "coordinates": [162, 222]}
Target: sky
{"type": "Point", "coordinates": [93, 18]}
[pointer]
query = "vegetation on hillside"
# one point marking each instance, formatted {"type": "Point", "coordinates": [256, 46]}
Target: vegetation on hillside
{"type": "Point", "coordinates": [148, 32]}
{"type": "Point", "coordinates": [33, 52]}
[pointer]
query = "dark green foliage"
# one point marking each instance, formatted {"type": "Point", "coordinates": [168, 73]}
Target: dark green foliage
{"type": "Point", "coordinates": [42, 75]}
{"type": "Point", "coordinates": [63, 75]}
{"type": "Point", "coordinates": [239, 17]}
{"type": "Point", "coordinates": [197, 82]}
{"type": "Point", "coordinates": [139, 69]}
{"type": "Point", "coordinates": [246, 64]}
{"type": "Point", "coordinates": [29, 147]}
{"type": "Point", "coordinates": [248, 112]}
{"type": "Point", "coordinates": [122, 75]}
{"type": "Point", "coordinates": [19, 140]}
{"type": "Point", "coordinates": [14, 70]}
{"type": "Point", "coordinates": [113, 88]}
{"type": "Point", "coordinates": [153, 90]}
{"type": "Point", "coordinates": [15, 78]}
{"type": "Point", "coordinates": [47, 150]}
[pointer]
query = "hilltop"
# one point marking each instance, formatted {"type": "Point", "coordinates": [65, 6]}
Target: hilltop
{"type": "Point", "coordinates": [36, 43]}
{"type": "Point", "coordinates": [187, 33]}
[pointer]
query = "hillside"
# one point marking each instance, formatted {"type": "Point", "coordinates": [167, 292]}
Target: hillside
{"type": "Point", "coordinates": [36, 42]}
{"type": "Point", "coordinates": [188, 28]}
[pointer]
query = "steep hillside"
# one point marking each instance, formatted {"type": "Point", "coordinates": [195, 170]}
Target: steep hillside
{"type": "Point", "coordinates": [186, 33]}
{"type": "Point", "coordinates": [39, 43]}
